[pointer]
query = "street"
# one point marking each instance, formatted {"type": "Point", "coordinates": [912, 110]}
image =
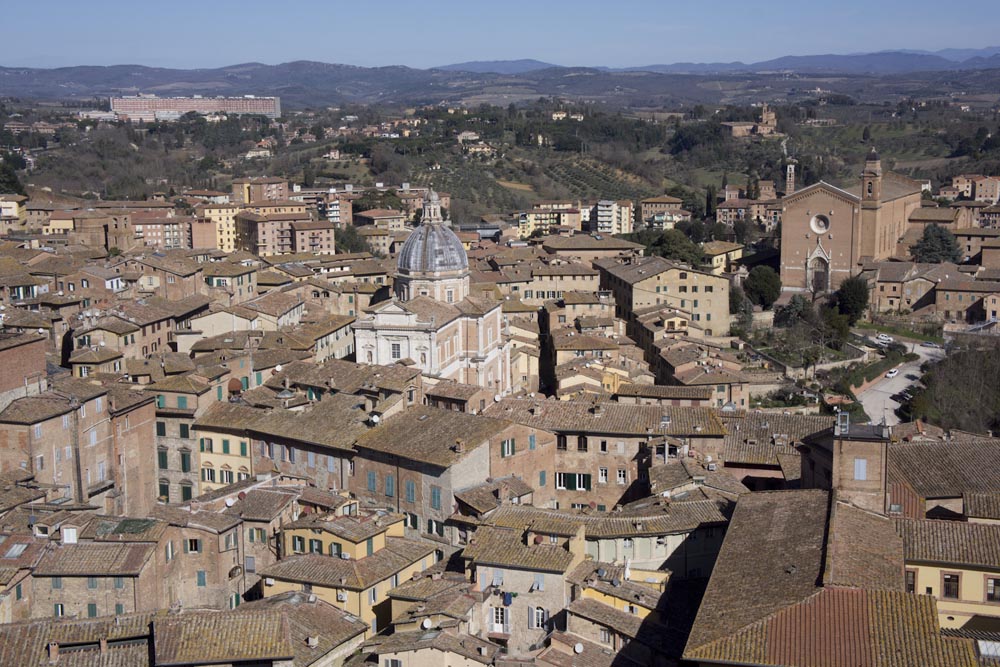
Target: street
{"type": "Point", "coordinates": [877, 399]}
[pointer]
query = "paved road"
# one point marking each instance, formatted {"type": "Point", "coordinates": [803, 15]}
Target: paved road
{"type": "Point", "coordinates": [877, 399]}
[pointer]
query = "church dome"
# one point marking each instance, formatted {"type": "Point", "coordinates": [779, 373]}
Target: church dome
{"type": "Point", "coordinates": [432, 248]}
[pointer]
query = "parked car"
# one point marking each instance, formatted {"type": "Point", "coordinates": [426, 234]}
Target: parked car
{"type": "Point", "coordinates": [929, 344]}
{"type": "Point", "coordinates": [893, 373]}
{"type": "Point", "coordinates": [885, 338]}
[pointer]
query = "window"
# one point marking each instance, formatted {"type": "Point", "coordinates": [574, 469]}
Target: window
{"type": "Point", "coordinates": [507, 448]}
{"type": "Point", "coordinates": [561, 480]}
{"type": "Point", "coordinates": [161, 428]}
{"type": "Point", "coordinates": [993, 589]}
{"type": "Point", "coordinates": [258, 535]}
{"type": "Point", "coordinates": [435, 528]}
{"type": "Point", "coordinates": [311, 459]}
{"type": "Point", "coordinates": [202, 579]}
{"type": "Point", "coordinates": [860, 469]}
{"type": "Point", "coordinates": [119, 609]}
{"type": "Point", "coordinates": [182, 402]}
{"type": "Point", "coordinates": [250, 564]}
{"type": "Point", "coordinates": [58, 610]}
{"type": "Point", "coordinates": [411, 491]}
{"type": "Point", "coordinates": [531, 441]}
{"type": "Point", "coordinates": [604, 447]}
{"type": "Point", "coordinates": [187, 491]}
{"type": "Point", "coordinates": [225, 446]}
{"type": "Point", "coordinates": [500, 624]}
{"type": "Point", "coordinates": [18, 593]}
{"type": "Point", "coordinates": [911, 581]}
{"type": "Point", "coordinates": [602, 475]}
{"type": "Point", "coordinates": [390, 486]}
{"type": "Point", "coordinates": [37, 431]}
{"type": "Point", "coordinates": [537, 617]}
{"type": "Point", "coordinates": [56, 583]}
{"type": "Point", "coordinates": [605, 636]}
{"type": "Point", "coordinates": [39, 462]}
{"type": "Point", "coordinates": [119, 583]}
{"type": "Point", "coordinates": [539, 583]}
{"type": "Point", "coordinates": [92, 583]}
{"type": "Point", "coordinates": [226, 476]}
{"type": "Point", "coordinates": [192, 546]}
{"type": "Point", "coordinates": [541, 478]}
{"type": "Point", "coordinates": [372, 595]}
{"type": "Point", "coordinates": [185, 431]}
{"type": "Point", "coordinates": [161, 458]}
{"type": "Point", "coordinates": [561, 442]}
{"type": "Point", "coordinates": [622, 476]}
{"type": "Point", "coordinates": [168, 551]}
{"type": "Point", "coordinates": [581, 443]}
{"type": "Point", "coordinates": [161, 401]}
{"type": "Point", "coordinates": [372, 481]}
{"type": "Point", "coordinates": [185, 461]}
{"type": "Point", "coordinates": [91, 609]}
{"type": "Point", "coordinates": [949, 586]}
{"type": "Point", "coordinates": [208, 475]}
{"type": "Point", "coordinates": [627, 543]}
{"type": "Point", "coordinates": [205, 444]}
{"type": "Point", "coordinates": [396, 351]}
{"type": "Point", "coordinates": [316, 546]}
{"type": "Point", "coordinates": [436, 497]}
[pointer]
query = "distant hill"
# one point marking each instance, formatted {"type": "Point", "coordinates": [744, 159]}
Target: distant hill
{"type": "Point", "coordinates": [498, 66]}
{"type": "Point", "coordinates": [307, 83]}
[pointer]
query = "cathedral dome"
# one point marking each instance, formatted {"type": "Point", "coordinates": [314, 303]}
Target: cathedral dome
{"type": "Point", "coordinates": [432, 248]}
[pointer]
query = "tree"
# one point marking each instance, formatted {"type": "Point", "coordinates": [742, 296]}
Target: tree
{"type": "Point", "coordinates": [709, 202]}
{"type": "Point", "coordinates": [852, 298]}
{"type": "Point", "coordinates": [762, 286]}
{"type": "Point", "coordinates": [9, 182]}
{"type": "Point", "coordinates": [742, 311]}
{"type": "Point", "coordinates": [866, 135]}
{"type": "Point", "coordinates": [937, 245]}
{"type": "Point", "coordinates": [348, 240]}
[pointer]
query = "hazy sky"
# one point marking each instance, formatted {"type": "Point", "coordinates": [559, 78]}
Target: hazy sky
{"type": "Point", "coordinates": [210, 33]}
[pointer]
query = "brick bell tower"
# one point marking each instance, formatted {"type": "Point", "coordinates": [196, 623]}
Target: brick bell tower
{"type": "Point", "coordinates": [871, 207]}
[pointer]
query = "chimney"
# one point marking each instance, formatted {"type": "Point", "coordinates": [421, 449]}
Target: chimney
{"type": "Point", "coordinates": [459, 447]}
{"type": "Point", "coordinates": [104, 645]}
{"type": "Point", "coordinates": [53, 652]}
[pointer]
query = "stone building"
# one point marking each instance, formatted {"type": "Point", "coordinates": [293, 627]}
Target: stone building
{"type": "Point", "coordinates": [432, 320]}
{"type": "Point", "coordinates": [828, 233]}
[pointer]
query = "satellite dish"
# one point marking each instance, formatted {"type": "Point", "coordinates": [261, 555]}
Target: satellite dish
{"type": "Point", "coordinates": [426, 625]}
{"type": "Point", "coordinates": [375, 419]}
{"type": "Point", "coordinates": [496, 399]}
{"type": "Point", "coordinates": [102, 343]}
{"type": "Point", "coordinates": [277, 369]}
{"type": "Point", "coordinates": [41, 330]}
{"type": "Point", "coordinates": [230, 502]}
{"type": "Point", "coordinates": [708, 459]}
{"type": "Point", "coordinates": [578, 648]}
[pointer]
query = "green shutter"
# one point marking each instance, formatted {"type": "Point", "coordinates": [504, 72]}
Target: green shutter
{"type": "Point", "coordinates": [243, 448]}
{"type": "Point", "coordinates": [570, 478]}
{"type": "Point", "coordinates": [531, 441]}
{"type": "Point", "coordinates": [541, 478]}
{"type": "Point", "coordinates": [586, 482]}
{"type": "Point", "coordinates": [260, 378]}
{"type": "Point", "coordinates": [201, 443]}
{"type": "Point", "coordinates": [225, 446]}
{"type": "Point", "coordinates": [218, 392]}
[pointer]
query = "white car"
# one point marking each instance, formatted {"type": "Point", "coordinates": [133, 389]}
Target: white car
{"type": "Point", "coordinates": [893, 373]}
{"type": "Point", "coordinates": [883, 338]}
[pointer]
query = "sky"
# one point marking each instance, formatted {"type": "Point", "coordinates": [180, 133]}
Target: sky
{"type": "Point", "coordinates": [618, 33]}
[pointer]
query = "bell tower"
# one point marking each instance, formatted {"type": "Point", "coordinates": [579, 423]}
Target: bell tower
{"type": "Point", "coordinates": [871, 181]}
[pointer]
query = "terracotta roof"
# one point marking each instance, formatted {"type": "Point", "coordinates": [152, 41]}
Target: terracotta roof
{"type": "Point", "coordinates": [330, 626]}
{"type": "Point", "coordinates": [982, 505]}
{"type": "Point", "coordinates": [975, 545]}
{"type": "Point", "coordinates": [757, 438]}
{"type": "Point", "coordinates": [649, 518]}
{"type": "Point", "coordinates": [485, 497]}
{"type": "Point", "coordinates": [664, 391]}
{"type": "Point", "coordinates": [644, 630]}
{"type": "Point", "coordinates": [609, 418]}
{"type": "Point", "coordinates": [947, 469]}
{"type": "Point", "coordinates": [466, 646]}
{"type": "Point", "coordinates": [351, 528]}
{"type": "Point", "coordinates": [219, 637]}
{"type": "Point", "coordinates": [785, 533]}
{"type": "Point", "coordinates": [261, 504]}
{"type": "Point", "coordinates": [506, 548]}
{"type": "Point", "coordinates": [95, 559]}
{"type": "Point", "coordinates": [863, 550]}
{"type": "Point", "coordinates": [844, 628]}
{"type": "Point", "coordinates": [430, 434]}
{"type": "Point", "coordinates": [357, 574]}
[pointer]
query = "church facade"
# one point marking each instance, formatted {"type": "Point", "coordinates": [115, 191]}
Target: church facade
{"type": "Point", "coordinates": [431, 321]}
{"type": "Point", "coordinates": [828, 233]}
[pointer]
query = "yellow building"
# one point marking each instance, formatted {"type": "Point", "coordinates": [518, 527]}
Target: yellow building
{"type": "Point", "coordinates": [720, 255]}
{"type": "Point", "coordinates": [956, 562]}
{"type": "Point", "coordinates": [224, 217]}
{"type": "Point", "coordinates": [223, 458]}
{"type": "Point", "coordinates": [349, 561]}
